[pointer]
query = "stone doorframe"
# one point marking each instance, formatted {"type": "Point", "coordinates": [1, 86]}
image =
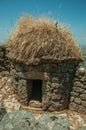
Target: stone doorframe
{"type": "Point", "coordinates": [23, 89]}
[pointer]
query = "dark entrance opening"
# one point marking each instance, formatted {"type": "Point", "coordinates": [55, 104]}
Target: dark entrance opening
{"type": "Point", "coordinates": [36, 93]}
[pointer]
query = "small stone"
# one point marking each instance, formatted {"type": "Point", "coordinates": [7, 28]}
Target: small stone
{"type": "Point", "coordinates": [82, 109]}
{"type": "Point", "coordinates": [55, 85]}
{"type": "Point", "coordinates": [76, 79]}
{"type": "Point", "coordinates": [55, 80]}
{"type": "Point", "coordinates": [75, 94]}
{"type": "Point", "coordinates": [78, 90]}
{"type": "Point", "coordinates": [84, 83]}
{"type": "Point", "coordinates": [84, 87]}
{"type": "Point", "coordinates": [73, 106]}
{"type": "Point", "coordinates": [55, 90]}
{"type": "Point", "coordinates": [84, 103]}
{"type": "Point", "coordinates": [36, 104]}
{"type": "Point", "coordinates": [80, 72]}
{"type": "Point", "coordinates": [54, 106]}
{"type": "Point", "coordinates": [49, 83]}
{"type": "Point", "coordinates": [72, 99]}
{"type": "Point", "coordinates": [77, 100]}
{"type": "Point", "coordinates": [20, 74]}
{"type": "Point", "coordinates": [5, 73]}
{"type": "Point", "coordinates": [83, 96]}
{"type": "Point", "coordinates": [62, 101]}
{"type": "Point", "coordinates": [83, 79]}
{"type": "Point", "coordinates": [84, 92]}
{"type": "Point", "coordinates": [4, 79]}
{"type": "Point", "coordinates": [78, 84]}
{"type": "Point", "coordinates": [56, 96]}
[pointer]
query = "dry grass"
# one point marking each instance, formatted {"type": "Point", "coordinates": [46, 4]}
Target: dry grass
{"type": "Point", "coordinates": [41, 40]}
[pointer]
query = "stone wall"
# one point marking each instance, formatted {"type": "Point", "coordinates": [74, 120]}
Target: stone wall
{"type": "Point", "coordinates": [19, 82]}
{"type": "Point", "coordinates": [78, 94]}
{"type": "Point", "coordinates": [4, 62]}
{"type": "Point", "coordinates": [57, 84]}
{"type": "Point", "coordinates": [58, 88]}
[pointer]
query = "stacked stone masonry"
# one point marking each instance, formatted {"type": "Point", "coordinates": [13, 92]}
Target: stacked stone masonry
{"type": "Point", "coordinates": [78, 94]}
{"type": "Point", "coordinates": [62, 86]}
{"type": "Point", "coordinates": [56, 87]}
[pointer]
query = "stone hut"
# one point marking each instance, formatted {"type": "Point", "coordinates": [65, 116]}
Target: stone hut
{"type": "Point", "coordinates": [44, 58]}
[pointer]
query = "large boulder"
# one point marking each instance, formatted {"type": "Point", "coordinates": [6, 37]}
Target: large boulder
{"type": "Point", "coordinates": [2, 111]}
{"type": "Point", "coordinates": [53, 122]}
{"type": "Point", "coordinates": [24, 120]}
{"type": "Point", "coordinates": [18, 120]}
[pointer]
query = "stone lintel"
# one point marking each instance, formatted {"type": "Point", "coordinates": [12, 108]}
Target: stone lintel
{"type": "Point", "coordinates": [36, 75]}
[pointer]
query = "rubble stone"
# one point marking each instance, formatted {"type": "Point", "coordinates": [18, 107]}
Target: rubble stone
{"type": "Point", "coordinates": [78, 102]}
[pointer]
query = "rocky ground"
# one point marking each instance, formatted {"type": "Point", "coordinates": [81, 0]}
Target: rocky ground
{"type": "Point", "coordinates": [8, 98]}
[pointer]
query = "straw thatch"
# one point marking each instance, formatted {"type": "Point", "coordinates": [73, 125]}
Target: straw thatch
{"type": "Point", "coordinates": [42, 41]}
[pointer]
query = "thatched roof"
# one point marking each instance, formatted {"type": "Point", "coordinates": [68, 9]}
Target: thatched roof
{"type": "Point", "coordinates": [42, 41]}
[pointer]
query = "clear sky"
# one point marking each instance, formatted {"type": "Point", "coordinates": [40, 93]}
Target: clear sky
{"type": "Point", "coordinates": [68, 12]}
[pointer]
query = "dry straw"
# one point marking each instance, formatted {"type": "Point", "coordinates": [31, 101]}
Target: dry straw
{"type": "Point", "coordinates": [41, 40]}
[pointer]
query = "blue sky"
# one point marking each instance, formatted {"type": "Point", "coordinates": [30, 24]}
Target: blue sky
{"type": "Point", "coordinates": [69, 12]}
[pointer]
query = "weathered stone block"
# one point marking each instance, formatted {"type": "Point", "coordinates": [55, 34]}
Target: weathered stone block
{"type": "Point", "coordinates": [36, 104]}
{"type": "Point", "coordinates": [78, 84]}
{"type": "Point", "coordinates": [18, 120]}
{"type": "Point", "coordinates": [75, 94]}
{"type": "Point", "coordinates": [55, 85]}
{"type": "Point", "coordinates": [80, 72]}
{"type": "Point", "coordinates": [76, 79]}
{"type": "Point", "coordinates": [56, 96]}
{"type": "Point", "coordinates": [53, 122]}
{"type": "Point", "coordinates": [78, 90]}
{"type": "Point", "coordinates": [55, 80]}
{"type": "Point", "coordinates": [83, 79]}
{"type": "Point", "coordinates": [84, 103]}
{"type": "Point", "coordinates": [77, 100]}
{"type": "Point", "coordinates": [84, 92]}
{"type": "Point", "coordinates": [55, 106]}
{"type": "Point", "coordinates": [5, 73]}
{"type": "Point", "coordinates": [72, 99]}
{"type": "Point", "coordinates": [83, 96]}
{"type": "Point", "coordinates": [82, 109]}
{"type": "Point", "coordinates": [73, 106]}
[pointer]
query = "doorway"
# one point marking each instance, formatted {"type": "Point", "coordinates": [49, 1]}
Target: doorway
{"type": "Point", "coordinates": [36, 93]}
